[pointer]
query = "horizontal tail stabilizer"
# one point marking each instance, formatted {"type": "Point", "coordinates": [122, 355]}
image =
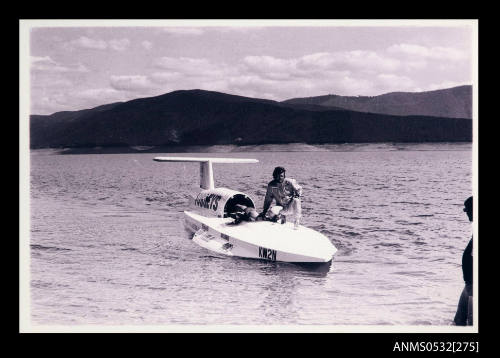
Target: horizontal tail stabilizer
{"type": "Point", "coordinates": [206, 171]}
{"type": "Point", "coordinates": [202, 160]}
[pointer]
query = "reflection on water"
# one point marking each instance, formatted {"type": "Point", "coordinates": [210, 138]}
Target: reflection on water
{"type": "Point", "coordinates": [108, 244]}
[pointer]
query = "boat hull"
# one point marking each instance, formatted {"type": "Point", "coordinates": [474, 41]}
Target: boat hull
{"type": "Point", "coordinates": [263, 240]}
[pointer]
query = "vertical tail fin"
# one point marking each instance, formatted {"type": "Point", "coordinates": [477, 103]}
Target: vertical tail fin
{"type": "Point", "coordinates": [206, 175]}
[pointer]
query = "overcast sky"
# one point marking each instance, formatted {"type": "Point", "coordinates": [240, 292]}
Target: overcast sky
{"type": "Point", "coordinates": [79, 67]}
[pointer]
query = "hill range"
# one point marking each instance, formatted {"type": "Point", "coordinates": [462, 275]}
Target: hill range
{"type": "Point", "coordinates": [454, 102]}
{"type": "Point", "coordinates": [198, 117]}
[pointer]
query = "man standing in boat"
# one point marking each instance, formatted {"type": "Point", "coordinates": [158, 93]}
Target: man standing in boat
{"type": "Point", "coordinates": [286, 192]}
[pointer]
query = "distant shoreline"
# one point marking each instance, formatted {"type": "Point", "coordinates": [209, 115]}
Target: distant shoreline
{"type": "Point", "coordinates": [290, 147]}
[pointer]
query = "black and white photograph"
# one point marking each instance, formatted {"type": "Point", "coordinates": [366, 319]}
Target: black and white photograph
{"type": "Point", "coordinates": [226, 176]}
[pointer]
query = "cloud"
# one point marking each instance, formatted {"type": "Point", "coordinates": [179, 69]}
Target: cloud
{"type": "Point", "coordinates": [56, 101]}
{"type": "Point", "coordinates": [38, 59]}
{"type": "Point", "coordinates": [85, 42]}
{"type": "Point", "coordinates": [188, 63]}
{"type": "Point", "coordinates": [56, 82]}
{"type": "Point", "coordinates": [347, 73]}
{"type": "Point", "coordinates": [187, 66]}
{"type": "Point", "coordinates": [165, 77]}
{"type": "Point", "coordinates": [98, 44]}
{"type": "Point", "coordinates": [148, 45]}
{"type": "Point", "coordinates": [192, 31]}
{"type": "Point", "coordinates": [348, 60]}
{"type": "Point", "coordinates": [390, 82]}
{"type": "Point", "coordinates": [100, 95]}
{"type": "Point", "coordinates": [270, 65]}
{"type": "Point", "coordinates": [47, 104]}
{"type": "Point", "coordinates": [47, 64]}
{"type": "Point", "coordinates": [132, 83]}
{"type": "Point", "coordinates": [395, 80]}
{"type": "Point", "coordinates": [319, 66]}
{"type": "Point", "coordinates": [355, 72]}
{"type": "Point", "coordinates": [119, 45]}
{"type": "Point", "coordinates": [237, 29]}
{"type": "Point", "coordinates": [76, 100]}
{"type": "Point", "coordinates": [434, 53]}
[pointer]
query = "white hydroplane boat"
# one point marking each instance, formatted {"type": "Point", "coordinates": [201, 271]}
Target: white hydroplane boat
{"type": "Point", "coordinates": [209, 219]}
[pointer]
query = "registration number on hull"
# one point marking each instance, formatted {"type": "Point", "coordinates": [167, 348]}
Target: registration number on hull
{"type": "Point", "coordinates": [267, 254]}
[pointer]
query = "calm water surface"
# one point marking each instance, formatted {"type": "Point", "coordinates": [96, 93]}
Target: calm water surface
{"type": "Point", "coordinates": [108, 246]}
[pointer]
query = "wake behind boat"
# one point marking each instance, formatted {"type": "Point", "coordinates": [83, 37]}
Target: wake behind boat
{"type": "Point", "coordinates": [210, 220]}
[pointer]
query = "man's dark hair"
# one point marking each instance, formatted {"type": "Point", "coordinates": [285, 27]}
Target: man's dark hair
{"type": "Point", "coordinates": [277, 171]}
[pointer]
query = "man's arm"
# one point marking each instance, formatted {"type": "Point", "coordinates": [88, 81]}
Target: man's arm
{"type": "Point", "coordinates": [296, 187]}
{"type": "Point", "coordinates": [268, 200]}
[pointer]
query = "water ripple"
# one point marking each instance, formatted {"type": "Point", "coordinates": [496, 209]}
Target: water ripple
{"type": "Point", "coordinates": [48, 248]}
